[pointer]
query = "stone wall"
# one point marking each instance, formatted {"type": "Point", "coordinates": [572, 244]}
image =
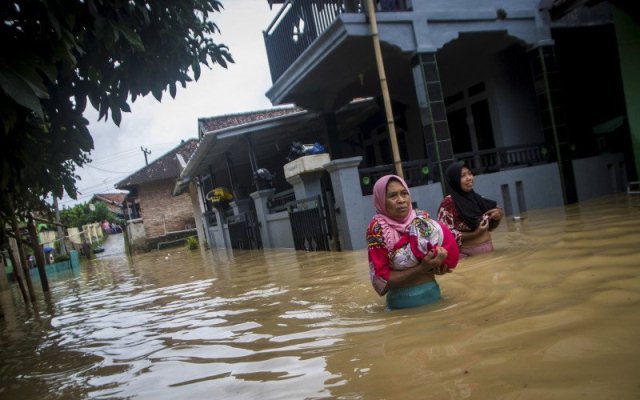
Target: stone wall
{"type": "Point", "coordinates": [163, 213]}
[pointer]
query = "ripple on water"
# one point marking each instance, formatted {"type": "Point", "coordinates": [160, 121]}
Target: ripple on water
{"type": "Point", "coordinates": [551, 313]}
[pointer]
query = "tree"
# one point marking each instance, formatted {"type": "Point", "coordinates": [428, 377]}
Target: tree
{"type": "Point", "coordinates": [82, 214]}
{"type": "Point", "coordinates": [59, 54]}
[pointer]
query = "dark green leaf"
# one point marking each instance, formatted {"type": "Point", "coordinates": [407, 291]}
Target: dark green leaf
{"type": "Point", "coordinates": [116, 116]}
{"type": "Point", "coordinates": [31, 78]}
{"type": "Point", "coordinates": [218, 58]}
{"type": "Point", "coordinates": [16, 88]}
{"type": "Point", "coordinates": [157, 93]}
{"type": "Point", "coordinates": [132, 37]}
{"type": "Point", "coordinates": [196, 70]}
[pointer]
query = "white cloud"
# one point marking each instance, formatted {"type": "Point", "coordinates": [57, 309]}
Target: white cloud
{"type": "Point", "coordinates": [160, 126]}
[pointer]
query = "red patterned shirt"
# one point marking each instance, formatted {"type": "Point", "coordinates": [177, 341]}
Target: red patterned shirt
{"type": "Point", "coordinates": [380, 256]}
{"type": "Point", "coordinates": [448, 215]}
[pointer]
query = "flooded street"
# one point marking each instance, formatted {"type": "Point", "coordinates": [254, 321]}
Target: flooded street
{"type": "Point", "coordinates": [553, 313]}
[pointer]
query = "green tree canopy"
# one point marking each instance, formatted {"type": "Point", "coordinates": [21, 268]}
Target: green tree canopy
{"type": "Point", "coordinates": [82, 214]}
{"type": "Point", "coordinates": [59, 54]}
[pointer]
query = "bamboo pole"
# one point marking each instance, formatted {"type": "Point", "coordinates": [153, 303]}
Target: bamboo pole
{"type": "Point", "coordinates": [385, 90]}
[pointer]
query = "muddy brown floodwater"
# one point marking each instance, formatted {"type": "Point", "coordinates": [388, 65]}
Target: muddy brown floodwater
{"type": "Point", "coordinates": [553, 313]}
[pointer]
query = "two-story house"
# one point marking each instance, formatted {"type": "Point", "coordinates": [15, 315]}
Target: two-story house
{"type": "Point", "coordinates": [534, 98]}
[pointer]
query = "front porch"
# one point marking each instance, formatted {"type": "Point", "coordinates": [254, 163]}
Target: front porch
{"type": "Point", "coordinates": [342, 213]}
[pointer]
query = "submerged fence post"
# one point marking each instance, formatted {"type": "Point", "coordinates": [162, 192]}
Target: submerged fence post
{"type": "Point", "coordinates": [74, 259]}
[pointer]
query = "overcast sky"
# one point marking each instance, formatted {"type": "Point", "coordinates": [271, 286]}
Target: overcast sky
{"type": "Point", "coordinates": [160, 126]}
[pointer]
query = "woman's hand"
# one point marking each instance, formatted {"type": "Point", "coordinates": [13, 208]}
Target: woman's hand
{"type": "Point", "coordinates": [495, 214]}
{"type": "Point", "coordinates": [433, 262]}
{"type": "Point", "coordinates": [483, 225]}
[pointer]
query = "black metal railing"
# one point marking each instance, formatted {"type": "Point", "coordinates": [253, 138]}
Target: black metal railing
{"type": "Point", "coordinates": [416, 173]}
{"type": "Point", "coordinates": [280, 201]}
{"type": "Point", "coordinates": [244, 231]}
{"type": "Point", "coordinates": [422, 172]}
{"type": "Point", "coordinates": [300, 22]}
{"type": "Point", "coordinates": [501, 158]}
{"type": "Point", "coordinates": [309, 225]}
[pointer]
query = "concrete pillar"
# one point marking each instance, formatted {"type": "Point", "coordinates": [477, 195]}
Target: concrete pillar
{"type": "Point", "coordinates": [345, 181]}
{"type": "Point", "coordinates": [306, 184]}
{"type": "Point", "coordinates": [260, 199]}
{"type": "Point", "coordinates": [219, 239]}
{"type": "Point", "coordinates": [74, 235]}
{"type": "Point", "coordinates": [241, 206]}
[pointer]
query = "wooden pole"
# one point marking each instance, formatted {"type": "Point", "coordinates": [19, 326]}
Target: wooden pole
{"type": "Point", "coordinates": [385, 90]}
{"type": "Point", "coordinates": [37, 251]}
{"type": "Point", "coordinates": [23, 258]}
{"type": "Point", "coordinates": [63, 247]}
{"type": "Point", "coordinates": [7, 310]}
{"type": "Point", "coordinates": [17, 268]}
{"type": "Point", "coordinates": [4, 281]}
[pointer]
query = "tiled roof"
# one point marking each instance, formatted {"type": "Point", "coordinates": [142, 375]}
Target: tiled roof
{"type": "Point", "coordinates": [165, 167]}
{"type": "Point", "coordinates": [226, 121]}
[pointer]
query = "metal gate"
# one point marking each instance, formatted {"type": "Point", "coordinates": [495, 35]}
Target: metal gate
{"type": "Point", "coordinates": [309, 224]}
{"type": "Point", "coordinates": [244, 231]}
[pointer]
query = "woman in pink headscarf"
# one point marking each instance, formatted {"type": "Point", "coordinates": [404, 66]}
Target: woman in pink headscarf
{"type": "Point", "coordinates": [406, 248]}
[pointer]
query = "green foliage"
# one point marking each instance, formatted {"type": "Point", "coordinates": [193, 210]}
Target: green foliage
{"type": "Point", "coordinates": [57, 55]}
{"type": "Point", "coordinates": [192, 243]}
{"type": "Point", "coordinates": [81, 214]}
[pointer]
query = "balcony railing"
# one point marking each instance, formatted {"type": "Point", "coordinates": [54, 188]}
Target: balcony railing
{"type": "Point", "coordinates": [416, 173]}
{"type": "Point", "coordinates": [300, 22]}
{"type": "Point", "coordinates": [422, 172]}
{"type": "Point", "coordinates": [493, 160]}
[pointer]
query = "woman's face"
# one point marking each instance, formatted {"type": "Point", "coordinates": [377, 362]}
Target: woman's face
{"type": "Point", "coordinates": [397, 201]}
{"type": "Point", "coordinates": [466, 179]}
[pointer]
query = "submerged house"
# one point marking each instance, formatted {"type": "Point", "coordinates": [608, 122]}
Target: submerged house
{"type": "Point", "coordinates": [113, 202]}
{"type": "Point", "coordinates": [531, 94]}
{"type": "Point", "coordinates": [153, 216]}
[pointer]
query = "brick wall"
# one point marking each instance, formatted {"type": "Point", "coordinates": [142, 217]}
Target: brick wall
{"type": "Point", "coordinates": [160, 210]}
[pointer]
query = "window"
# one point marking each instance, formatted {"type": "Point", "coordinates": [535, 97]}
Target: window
{"type": "Point", "coordinates": [469, 119]}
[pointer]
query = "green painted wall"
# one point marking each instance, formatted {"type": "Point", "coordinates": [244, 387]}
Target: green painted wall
{"type": "Point", "coordinates": [628, 33]}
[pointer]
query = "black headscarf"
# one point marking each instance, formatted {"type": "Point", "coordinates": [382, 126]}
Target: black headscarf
{"type": "Point", "coordinates": [470, 205]}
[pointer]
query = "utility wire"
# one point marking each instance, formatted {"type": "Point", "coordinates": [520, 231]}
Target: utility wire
{"type": "Point", "coordinates": [106, 170]}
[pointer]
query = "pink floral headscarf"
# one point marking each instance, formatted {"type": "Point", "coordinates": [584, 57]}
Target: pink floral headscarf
{"type": "Point", "coordinates": [391, 228]}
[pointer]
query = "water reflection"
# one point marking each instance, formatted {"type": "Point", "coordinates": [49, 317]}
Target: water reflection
{"type": "Point", "coordinates": [552, 313]}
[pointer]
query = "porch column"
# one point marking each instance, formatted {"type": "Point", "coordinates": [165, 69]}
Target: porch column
{"type": "Point", "coordinates": [241, 206]}
{"type": "Point", "coordinates": [350, 217]}
{"type": "Point", "coordinates": [433, 112]}
{"type": "Point", "coordinates": [331, 129]}
{"type": "Point", "coordinates": [219, 238]}
{"type": "Point", "coordinates": [260, 199]}
{"type": "Point", "coordinates": [546, 82]}
{"type": "Point", "coordinates": [306, 184]}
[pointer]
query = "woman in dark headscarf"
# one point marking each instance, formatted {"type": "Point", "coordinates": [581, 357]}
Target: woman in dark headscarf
{"type": "Point", "coordinates": [469, 216]}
